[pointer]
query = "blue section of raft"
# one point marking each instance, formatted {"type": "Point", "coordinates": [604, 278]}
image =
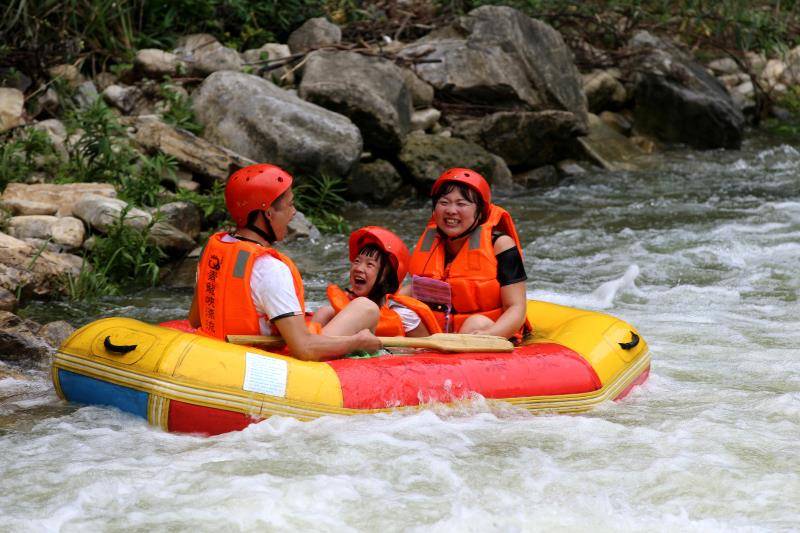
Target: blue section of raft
{"type": "Point", "coordinates": [82, 389]}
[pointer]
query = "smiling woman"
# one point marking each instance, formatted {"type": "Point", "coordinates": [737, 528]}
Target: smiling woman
{"type": "Point", "coordinates": [471, 252]}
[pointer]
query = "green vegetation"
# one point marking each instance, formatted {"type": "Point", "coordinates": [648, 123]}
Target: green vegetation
{"type": "Point", "coordinates": [728, 24]}
{"type": "Point", "coordinates": [179, 109]}
{"type": "Point", "coordinates": [319, 198]}
{"type": "Point", "coordinates": [23, 154]}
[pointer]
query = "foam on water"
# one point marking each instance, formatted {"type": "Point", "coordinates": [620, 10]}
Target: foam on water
{"type": "Point", "coordinates": [701, 256]}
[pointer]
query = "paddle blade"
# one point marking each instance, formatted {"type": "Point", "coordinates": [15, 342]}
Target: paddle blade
{"type": "Point", "coordinates": [452, 342]}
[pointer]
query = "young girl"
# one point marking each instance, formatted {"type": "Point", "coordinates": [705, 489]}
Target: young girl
{"type": "Point", "coordinates": [378, 264]}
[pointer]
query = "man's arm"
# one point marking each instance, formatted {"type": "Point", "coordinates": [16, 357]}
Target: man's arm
{"type": "Point", "coordinates": [309, 347]}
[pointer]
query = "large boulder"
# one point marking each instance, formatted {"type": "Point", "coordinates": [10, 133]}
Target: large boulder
{"type": "Point", "coordinates": [185, 216]}
{"type": "Point", "coordinates": [371, 91]}
{"type": "Point", "coordinates": [261, 121]}
{"type": "Point", "coordinates": [20, 342]}
{"type": "Point", "coordinates": [204, 54]}
{"type": "Point", "coordinates": [424, 157]}
{"type": "Point", "coordinates": [498, 55]}
{"type": "Point", "coordinates": [677, 100]}
{"type": "Point", "coordinates": [524, 139]}
{"type": "Point", "coordinates": [26, 267]}
{"type": "Point", "coordinates": [375, 182]}
{"type": "Point", "coordinates": [314, 33]}
{"type": "Point", "coordinates": [50, 198]}
{"type": "Point", "coordinates": [192, 152]}
{"type": "Point", "coordinates": [67, 232]}
{"type": "Point", "coordinates": [609, 148]}
{"type": "Point", "coordinates": [101, 213]}
{"type": "Point", "coordinates": [12, 108]}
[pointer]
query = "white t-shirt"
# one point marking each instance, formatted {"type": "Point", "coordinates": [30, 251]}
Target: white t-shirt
{"type": "Point", "coordinates": [409, 318]}
{"type": "Point", "coordinates": [272, 289]}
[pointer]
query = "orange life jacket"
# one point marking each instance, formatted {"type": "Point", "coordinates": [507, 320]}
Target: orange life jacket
{"type": "Point", "coordinates": [223, 286]}
{"type": "Point", "coordinates": [472, 274]}
{"type": "Point", "coordinates": [389, 324]}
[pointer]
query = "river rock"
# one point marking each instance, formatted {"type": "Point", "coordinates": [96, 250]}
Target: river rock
{"type": "Point", "coordinates": [724, 65]}
{"type": "Point", "coordinates": [205, 55]}
{"type": "Point", "coordinates": [12, 108]}
{"type": "Point", "coordinates": [503, 57]}
{"type": "Point", "coordinates": [425, 157]}
{"type": "Point", "coordinates": [603, 91]}
{"type": "Point", "coordinates": [261, 121]}
{"type": "Point", "coordinates": [425, 119]}
{"type": "Point", "coordinates": [155, 63]}
{"type": "Point", "coordinates": [48, 102]}
{"type": "Point", "coordinates": [421, 91]}
{"type": "Point", "coordinates": [300, 227]}
{"type": "Point", "coordinates": [124, 98]}
{"type": "Point", "coordinates": [677, 100]}
{"type": "Point", "coordinates": [569, 169]}
{"type": "Point", "coordinates": [546, 176]}
{"type": "Point", "coordinates": [8, 302]}
{"type": "Point", "coordinates": [23, 266]}
{"type": "Point", "coordinates": [617, 122]}
{"type": "Point", "coordinates": [85, 95]}
{"type": "Point", "coordinates": [271, 51]}
{"type": "Point", "coordinates": [773, 72]}
{"type": "Point", "coordinates": [375, 182]}
{"type": "Point", "coordinates": [314, 33]}
{"type": "Point", "coordinates": [57, 133]}
{"type": "Point", "coordinates": [609, 148]}
{"type": "Point", "coordinates": [19, 341]}
{"type": "Point", "coordinates": [371, 91]}
{"type": "Point", "coordinates": [66, 231]}
{"type": "Point", "coordinates": [55, 333]}
{"type": "Point", "coordinates": [170, 239]}
{"type": "Point", "coordinates": [192, 152]}
{"type": "Point", "coordinates": [101, 212]}
{"type": "Point", "coordinates": [791, 75]}
{"type": "Point", "coordinates": [524, 138]}
{"type": "Point", "coordinates": [59, 198]}
{"type": "Point", "coordinates": [67, 72]}
{"type": "Point", "coordinates": [104, 80]}
{"type": "Point", "coordinates": [185, 216]}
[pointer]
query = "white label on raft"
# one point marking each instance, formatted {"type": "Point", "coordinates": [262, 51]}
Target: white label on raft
{"type": "Point", "coordinates": [265, 375]}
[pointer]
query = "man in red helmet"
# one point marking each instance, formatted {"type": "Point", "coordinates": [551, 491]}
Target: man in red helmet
{"type": "Point", "coordinates": [246, 287]}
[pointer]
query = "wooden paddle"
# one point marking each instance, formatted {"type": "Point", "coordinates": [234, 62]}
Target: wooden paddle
{"type": "Point", "coordinates": [443, 342]}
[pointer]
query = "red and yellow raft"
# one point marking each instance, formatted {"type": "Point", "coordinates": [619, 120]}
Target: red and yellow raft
{"type": "Point", "coordinates": [189, 383]}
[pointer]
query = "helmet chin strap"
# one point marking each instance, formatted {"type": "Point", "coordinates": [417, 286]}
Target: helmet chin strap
{"type": "Point", "coordinates": [268, 236]}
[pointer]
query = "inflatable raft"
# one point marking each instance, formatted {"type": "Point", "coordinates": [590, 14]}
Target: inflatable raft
{"type": "Point", "coordinates": [189, 383]}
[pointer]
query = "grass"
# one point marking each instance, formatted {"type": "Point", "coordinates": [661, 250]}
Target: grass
{"type": "Point", "coordinates": [320, 199]}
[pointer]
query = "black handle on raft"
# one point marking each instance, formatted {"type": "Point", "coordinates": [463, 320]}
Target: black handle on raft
{"type": "Point", "coordinates": [120, 349]}
{"type": "Point", "coordinates": [632, 344]}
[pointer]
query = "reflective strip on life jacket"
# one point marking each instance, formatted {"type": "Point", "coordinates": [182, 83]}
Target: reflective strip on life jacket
{"type": "Point", "coordinates": [224, 298]}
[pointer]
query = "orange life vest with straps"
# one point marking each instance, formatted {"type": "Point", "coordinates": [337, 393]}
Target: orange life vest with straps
{"type": "Point", "coordinates": [472, 274]}
{"type": "Point", "coordinates": [389, 324]}
{"type": "Point", "coordinates": [223, 286]}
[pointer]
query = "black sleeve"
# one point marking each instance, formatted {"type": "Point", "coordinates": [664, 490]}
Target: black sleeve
{"type": "Point", "coordinates": [509, 267]}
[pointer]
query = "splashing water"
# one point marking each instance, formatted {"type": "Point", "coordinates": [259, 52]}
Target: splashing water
{"type": "Point", "coordinates": [700, 255]}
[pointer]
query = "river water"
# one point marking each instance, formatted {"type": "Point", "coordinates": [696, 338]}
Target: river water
{"type": "Point", "coordinates": [701, 253]}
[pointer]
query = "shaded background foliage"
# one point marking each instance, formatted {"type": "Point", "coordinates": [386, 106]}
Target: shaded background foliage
{"type": "Point", "coordinates": [38, 33]}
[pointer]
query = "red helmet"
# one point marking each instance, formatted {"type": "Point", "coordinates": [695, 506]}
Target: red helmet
{"type": "Point", "coordinates": [387, 241]}
{"type": "Point", "coordinates": [468, 177]}
{"type": "Point", "coordinates": [254, 187]}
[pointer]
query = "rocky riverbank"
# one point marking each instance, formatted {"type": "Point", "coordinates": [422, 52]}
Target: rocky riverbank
{"type": "Point", "coordinates": [493, 90]}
